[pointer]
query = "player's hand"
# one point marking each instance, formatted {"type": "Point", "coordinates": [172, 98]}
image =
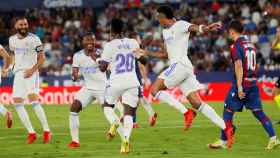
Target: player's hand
{"type": "Point", "coordinates": [241, 93]}
{"type": "Point", "coordinates": [139, 52]}
{"type": "Point", "coordinates": [28, 73]}
{"type": "Point", "coordinates": [215, 26]}
{"type": "Point", "coordinates": [5, 72]}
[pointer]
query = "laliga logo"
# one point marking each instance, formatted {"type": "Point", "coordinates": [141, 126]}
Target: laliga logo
{"type": "Point", "coordinates": [62, 3]}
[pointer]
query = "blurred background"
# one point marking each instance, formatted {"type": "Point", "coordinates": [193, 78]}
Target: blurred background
{"type": "Point", "coordinates": [60, 24]}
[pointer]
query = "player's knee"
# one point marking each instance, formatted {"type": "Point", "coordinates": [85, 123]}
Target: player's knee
{"type": "Point", "coordinates": [129, 110]}
{"type": "Point", "coordinates": [105, 104]}
{"type": "Point", "coordinates": [194, 100]}
{"type": "Point", "coordinates": [18, 100]}
{"type": "Point", "coordinates": [33, 97]}
{"type": "Point", "coordinates": [76, 106]}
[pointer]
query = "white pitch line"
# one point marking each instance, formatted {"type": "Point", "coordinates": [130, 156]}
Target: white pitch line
{"type": "Point", "coordinates": [104, 131]}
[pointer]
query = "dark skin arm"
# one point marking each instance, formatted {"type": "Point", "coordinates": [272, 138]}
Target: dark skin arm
{"type": "Point", "coordinates": [7, 62]}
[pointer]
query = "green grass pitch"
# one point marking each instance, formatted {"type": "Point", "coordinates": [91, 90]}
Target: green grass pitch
{"type": "Point", "coordinates": [167, 139]}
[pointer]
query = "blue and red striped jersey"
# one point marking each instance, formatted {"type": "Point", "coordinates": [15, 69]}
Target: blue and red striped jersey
{"type": "Point", "coordinates": [244, 50]}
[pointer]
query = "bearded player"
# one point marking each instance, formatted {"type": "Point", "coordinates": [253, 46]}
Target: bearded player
{"type": "Point", "coordinates": [28, 55]}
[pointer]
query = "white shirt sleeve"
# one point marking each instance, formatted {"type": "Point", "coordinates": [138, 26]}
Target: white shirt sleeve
{"type": "Point", "coordinates": [183, 26]}
{"type": "Point", "coordinates": [1, 47]}
{"type": "Point", "coordinates": [37, 44]}
{"type": "Point", "coordinates": [75, 61]}
{"type": "Point", "coordinates": [11, 44]}
{"type": "Point", "coordinates": [107, 53]}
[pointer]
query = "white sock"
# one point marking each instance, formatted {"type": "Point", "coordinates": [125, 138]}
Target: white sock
{"type": "Point", "coordinates": [211, 114]}
{"type": "Point", "coordinates": [147, 106]}
{"type": "Point", "coordinates": [74, 124]}
{"type": "Point", "coordinates": [110, 115]}
{"type": "Point", "coordinates": [120, 108]}
{"type": "Point", "coordinates": [127, 126]}
{"type": "Point", "coordinates": [23, 116]}
{"type": "Point", "coordinates": [112, 118]}
{"type": "Point", "coordinates": [273, 138]}
{"type": "Point", "coordinates": [39, 111]}
{"type": "Point", "coordinates": [3, 110]}
{"type": "Point", "coordinates": [167, 98]}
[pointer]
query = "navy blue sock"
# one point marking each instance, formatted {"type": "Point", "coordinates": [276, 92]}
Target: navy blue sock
{"type": "Point", "coordinates": [267, 125]}
{"type": "Point", "coordinates": [227, 116]}
{"type": "Point", "coordinates": [134, 118]}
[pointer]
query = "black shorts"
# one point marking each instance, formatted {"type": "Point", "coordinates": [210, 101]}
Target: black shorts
{"type": "Point", "coordinates": [277, 84]}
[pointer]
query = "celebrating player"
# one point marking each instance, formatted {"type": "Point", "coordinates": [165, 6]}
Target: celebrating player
{"type": "Point", "coordinates": [27, 52]}
{"type": "Point", "coordinates": [84, 62]}
{"type": "Point", "coordinates": [4, 73]}
{"type": "Point", "coordinates": [123, 80]}
{"type": "Point", "coordinates": [244, 90]}
{"type": "Point", "coordinates": [180, 72]}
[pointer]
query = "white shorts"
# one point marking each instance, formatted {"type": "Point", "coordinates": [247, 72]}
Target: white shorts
{"type": "Point", "coordinates": [129, 96]}
{"type": "Point", "coordinates": [179, 75]}
{"type": "Point", "coordinates": [86, 96]}
{"type": "Point", "coordinates": [22, 87]}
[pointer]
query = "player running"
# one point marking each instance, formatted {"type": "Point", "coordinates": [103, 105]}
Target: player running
{"type": "Point", "coordinates": [84, 62]}
{"type": "Point", "coordinates": [123, 80]}
{"type": "Point", "coordinates": [244, 90]}
{"type": "Point", "coordinates": [180, 72]}
{"type": "Point", "coordinates": [28, 55]}
{"type": "Point", "coordinates": [4, 73]}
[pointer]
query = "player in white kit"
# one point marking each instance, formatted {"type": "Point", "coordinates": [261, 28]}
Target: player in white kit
{"type": "Point", "coordinates": [180, 72]}
{"type": "Point", "coordinates": [84, 62]}
{"type": "Point", "coordinates": [123, 81]}
{"type": "Point", "coordinates": [28, 55]}
{"type": "Point", "coordinates": [4, 73]}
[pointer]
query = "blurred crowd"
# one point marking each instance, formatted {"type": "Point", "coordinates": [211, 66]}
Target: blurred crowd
{"type": "Point", "coordinates": [61, 29]}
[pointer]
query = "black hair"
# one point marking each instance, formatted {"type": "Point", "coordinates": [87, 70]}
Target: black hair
{"type": "Point", "coordinates": [167, 11]}
{"type": "Point", "coordinates": [236, 26]}
{"type": "Point", "coordinates": [89, 33]}
{"type": "Point", "coordinates": [117, 26]}
{"type": "Point", "coordinates": [20, 17]}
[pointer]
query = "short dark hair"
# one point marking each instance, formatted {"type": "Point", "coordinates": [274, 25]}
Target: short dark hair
{"type": "Point", "coordinates": [167, 11]}
{"type": "Point", "coordinates": [20, 17]}
{"type": "Point", "coordinates": [236, 25]}
{"type": "Point", "coordinates": [89, 33]}
{"type": "Point", "coordinates": [117, 26]}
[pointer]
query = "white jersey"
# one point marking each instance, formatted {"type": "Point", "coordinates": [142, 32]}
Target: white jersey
{"type": "Point", "coordinates": [119, 53]}
{"type": "Point", "coordinates": [25, 50]}
{"type": "Point", "coordinates": [94, 79]}
{"type": "Point", "coordinates": [176, 39]}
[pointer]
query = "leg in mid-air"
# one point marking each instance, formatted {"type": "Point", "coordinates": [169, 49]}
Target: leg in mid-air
{"type": "Point", "coordinates": [149, 109]}
{"type": "Point", "coordinates": [9, 117]}
{"type": "Point", "coordinates": [114, 121]}
{"type": "Point", "coordinates": [222, 142]}
{"type": "Point", "coordinates": [159, 93]}
{"type": "Point", "coordinates": [190, 88]}
{"type": "Point", "coordinates": [40, 113]}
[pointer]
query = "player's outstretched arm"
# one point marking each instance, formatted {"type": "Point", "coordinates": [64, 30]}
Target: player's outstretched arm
{"type": "Point", "coordinates": [7, 61]}
{"type": "Point", "coordinates": [239, 75]}
{"type": "Point", "coordinates": [205, 28]}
